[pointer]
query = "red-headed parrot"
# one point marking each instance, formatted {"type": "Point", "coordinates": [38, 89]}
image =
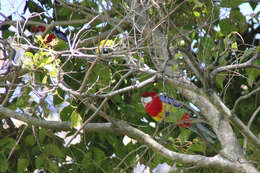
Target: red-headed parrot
{"type": "Point", "coordinates": [155, 106]}
{"type": "Point", "coordinates": [56, 39]}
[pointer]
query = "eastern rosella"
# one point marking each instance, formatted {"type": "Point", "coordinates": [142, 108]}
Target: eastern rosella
{"type": "Point", "coordinates": [55, 39]}
{"type": "Point", "coordinates": [105, 45]}
{"type": "Point", "coordinates": [157, 105]}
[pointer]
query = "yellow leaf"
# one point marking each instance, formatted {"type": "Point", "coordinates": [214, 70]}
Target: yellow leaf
{"type": "Point", "coordinates": [75, 120]}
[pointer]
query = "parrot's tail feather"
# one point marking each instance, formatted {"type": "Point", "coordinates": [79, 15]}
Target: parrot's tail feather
{"type": "Point", "coordinates": [204, 132]}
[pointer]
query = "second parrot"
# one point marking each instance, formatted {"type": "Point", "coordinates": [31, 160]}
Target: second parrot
{"type": "Point", "coordinates": [157, 106]}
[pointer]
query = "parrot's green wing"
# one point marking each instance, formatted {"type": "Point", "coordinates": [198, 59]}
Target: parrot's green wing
{"type": "Point", "coordinates": [174, 114]}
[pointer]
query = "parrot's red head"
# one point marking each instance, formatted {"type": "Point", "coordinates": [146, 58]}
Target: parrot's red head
{"type": "Point", "coordinates": [38, 29]}
{"type": "Point", "coordinates": [149, 94]}
{"type": "Point", "coordinates": [152, 104]}
{"type": "Point", "coordinates": [148, 97]}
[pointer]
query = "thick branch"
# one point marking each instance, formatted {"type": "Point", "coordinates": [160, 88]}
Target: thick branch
{"type": "Point", "coordinates": [198, 160]}
{"type": "Point", "coordinates": [55, 125]}
{"type": "Point", "coordinates": [190, 61]}
{"type": "Point", "coordinates": [236, 121]}
{"type": "Point", "coordinates": [221, 126]}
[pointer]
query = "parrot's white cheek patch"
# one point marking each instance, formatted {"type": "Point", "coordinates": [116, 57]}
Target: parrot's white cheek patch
{"type": "Point", "coordinates": [146, 100]}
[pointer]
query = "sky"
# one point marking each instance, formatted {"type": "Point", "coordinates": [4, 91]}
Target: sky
{"type": "Point", "coordinates": [8, 7]}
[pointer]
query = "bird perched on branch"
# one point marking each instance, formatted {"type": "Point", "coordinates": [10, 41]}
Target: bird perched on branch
{"type": "Point", "coordinates": [158, 105]}
{"type": "Point", "coordinates": [105, 46]}
{"type": "Point", "coordinates": [56, 39]}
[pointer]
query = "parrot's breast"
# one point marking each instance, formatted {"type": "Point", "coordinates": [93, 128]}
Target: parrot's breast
{"type": "Point", "coordinates": [155, 109]}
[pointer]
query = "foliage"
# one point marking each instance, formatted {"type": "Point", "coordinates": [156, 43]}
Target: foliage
{"type": "Point", "coordinates": [107, 51]}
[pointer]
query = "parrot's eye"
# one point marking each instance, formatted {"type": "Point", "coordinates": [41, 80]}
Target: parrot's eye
{"type": "Point", "coordinates": [146, 99]}
{"type": "Point", "coordinates": [105, 50]}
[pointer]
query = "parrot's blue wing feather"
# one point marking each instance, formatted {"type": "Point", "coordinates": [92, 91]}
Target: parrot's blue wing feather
{"type": "Point", "coordinates": [60, 34]}
{"type": "Point", "coordinates": [169, 100]}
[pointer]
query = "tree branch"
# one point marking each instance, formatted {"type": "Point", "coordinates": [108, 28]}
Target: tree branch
{"type": "Point", "coordinates": [112, 93]}
{"type": "Point", "coordinates": [235, 66]}
{"type": "Point", "coordinates": [190, 61]}
{"type": "Point", "coordinates": [98, 109]}
{"type": "Point", "coordinates": [236, 121]}
{"type": "Point", "coordinates": [231, 149]}
{"type": "Point", "coordinates": [55, 125]}
{"type": "Point", "coordinates": [249, 124]}
{"type": "Point", "coordinates": [244, 97]}
{"type": "Point", "coordinates": [198, 160]}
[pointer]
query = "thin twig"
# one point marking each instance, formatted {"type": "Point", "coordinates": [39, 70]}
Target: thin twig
{"type": "Point", "coordinates": [83, 28]}
{"type": "Point", "coordinates": [98, 109]}
{"type": "Point", "coordinates": [128, 154]}
{"type": "Point", "coordinates": [235, 66]}
{"type": "Point", "coordinates": [87, 75]}
{"type": "Point", "coordinates": [244, 97]}
{"type": "Point", "coordinates": [112, 93]}
{"type": "Point", "coordinates": [248, 125]}
{"type": "Point", "coordinates": [16, 143]}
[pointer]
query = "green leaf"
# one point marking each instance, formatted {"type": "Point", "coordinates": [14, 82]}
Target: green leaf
{"type": "Point", "coordinates": [246, 55]}
{"type": "Point", "coordinates": [87, 162]}
{"type": "Point", "coordinates": [53, 166]}
{"type": "Point", "coordinates": [23, 101]}
{"type": "Point", "coordinates": [252, 73]}
{"type": "Point", "coordinates": [54, 71]}
{"type": "Point", "coordinates": [44, 80]}
{"type": "Point", "coordinates": [44, 61]}
{"type": "Point", "coordinates": [220, 79]}
{"type": "Point", "coordinates": [22, 164]}
{"type": "Point", "coordinates": [234, 46]}
{"type": "Point", "coordinates": [197, 2]}
{"type": "Point", "coordinates": [75, 120]}
{"type": "Point", "coordinates": [239, 19]}
{"type": "Point", "coordinates": [29, 140]}
{"type": "Point", "coordinates": [205, 51]}
{"type": "Point", "coordinates": [196, 14]}
{"type": "Point", "coordinates": [175, 114]}
{"type": "Point", "coordinates": [98, 154]}
{"type": "Point", "coordinates": [58, 97]}
{"type": "Point", "coordinates": [29, 54]}
{"type": "Point", "coordinates": [178, 56]}
{"type": "Point", "coordinates": [54, 150]}
{"type": "Point", "coordinates": [175, 67]}
{"type": "Point", "coordinates": [231, 3]}
{"type": "Point", "coordinates": [6, 144]}
{"type": "Point", "coordinates": [184, 135]}
{"type": "Point", "coordinates": [3, 163]}
{"type": "Point", "coordinates": [40, 161]}
{"type": "Point", "coordinates": [61, 45]}
{"type": "Point", "coordinates": [198, 146]}
{"type": "Point", "coordinates": [66, 112]}
{"type": "Point", "coordinates": [227, 26]}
